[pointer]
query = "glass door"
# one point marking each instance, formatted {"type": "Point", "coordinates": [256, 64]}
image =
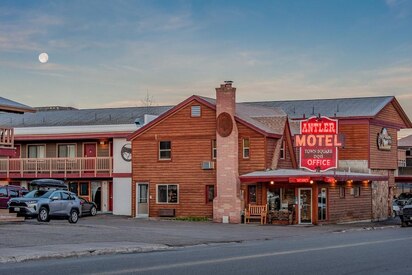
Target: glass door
{"type": "Point", "coordinates": [305, 205]}
{"type": "Point", "coordinates": [142, 200]}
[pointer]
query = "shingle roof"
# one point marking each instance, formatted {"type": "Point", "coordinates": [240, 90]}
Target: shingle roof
{"type": "Point", "coordinates": [105, 116]}
{"type": "Point", "coordinates": [405, 142]}
{"type": "Point", "coordinates": [338, 107]}
{"type": "Point", "coordinates": [7, 105]}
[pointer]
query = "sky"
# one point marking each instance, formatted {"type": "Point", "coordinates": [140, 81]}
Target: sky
{"type": "Point", "coordinates": [117, 53]}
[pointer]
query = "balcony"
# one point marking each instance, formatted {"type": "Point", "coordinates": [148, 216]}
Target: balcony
{"type": "Point", "coordinates": [56, 167]}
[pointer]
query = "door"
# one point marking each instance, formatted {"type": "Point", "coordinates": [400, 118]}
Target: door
{"type": "Point", "coordinates": [110, 196]}
{"type": "Point", "coordinates": [305, 205]}
{"type": "Point", "coordinates": [142, 200]}
{"type": "Point", "coordinates": [90, 155]}
{"type": "Point", "coordinates": [55, 205]}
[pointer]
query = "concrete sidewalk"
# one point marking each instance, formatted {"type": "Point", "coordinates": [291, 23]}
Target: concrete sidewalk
{"type": "Point", "coordinates": [107, 234]}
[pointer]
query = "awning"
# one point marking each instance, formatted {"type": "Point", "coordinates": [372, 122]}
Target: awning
{"type": "Point", "coordinates": [302, 176]}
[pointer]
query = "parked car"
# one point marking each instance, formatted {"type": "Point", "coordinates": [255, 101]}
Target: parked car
{"type": "Point", "coordinates": [395, 208]}
{"type": "Point", "coordinates": [47, 204]}
{"type": "Point", "coordinates": [10, 191]}
{"type": "Point", "coordinates": [88, 207]}
{"type": "Point", "coordinates": [406, 213]}
{"type": "Point", "coordinates": [403, 198]}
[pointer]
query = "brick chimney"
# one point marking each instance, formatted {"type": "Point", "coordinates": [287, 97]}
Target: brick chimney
{"type": "Point", "coordinates": [227, 204]}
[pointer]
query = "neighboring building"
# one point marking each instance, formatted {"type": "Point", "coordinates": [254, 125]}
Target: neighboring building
{"type": "Point", "coordinates": [211, 158]}
{"type": "Point", "coordinates": [404, 175]}
{"type": "Point", "coordinates": [86, 148]}
{"type": "Point", "coordinates": [7, 133]}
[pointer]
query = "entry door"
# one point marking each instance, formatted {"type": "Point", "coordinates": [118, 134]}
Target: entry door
{"type": "Point", "coordinates": [89, 152]}
{"type": "Point", "coordinates": [142, 200]}
{"type": "Point", "coordinates": [305, 205]}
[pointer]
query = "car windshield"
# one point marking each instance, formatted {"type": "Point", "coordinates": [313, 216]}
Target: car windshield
{"type": "Point", "coordinates": [39, 194]}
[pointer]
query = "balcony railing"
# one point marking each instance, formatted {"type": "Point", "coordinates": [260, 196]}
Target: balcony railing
{"type": "Point", "coordinates": [6, 137]}
{"type": "Point", "coordinates": [56, 167]}
{"type": "Point", "coordinates": [401, 162]}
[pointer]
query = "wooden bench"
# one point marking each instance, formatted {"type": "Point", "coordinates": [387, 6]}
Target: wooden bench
{"type": "Point", "coordinates": [256, 212]}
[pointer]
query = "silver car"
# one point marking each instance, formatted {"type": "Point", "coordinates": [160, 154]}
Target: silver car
{"type": "Point", "coordinates": [47, 204]}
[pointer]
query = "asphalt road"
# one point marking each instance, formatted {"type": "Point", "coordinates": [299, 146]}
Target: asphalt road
{"type": "Point", "coordinates": [380, 251]}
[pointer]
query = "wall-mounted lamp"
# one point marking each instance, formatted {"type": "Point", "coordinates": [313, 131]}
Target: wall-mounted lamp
{"type": "Point", "coordinates": [102, 142]}
{"type": "Point", "coordinates": [272, 182]}
{"type": "Point", "coordinates": [311, 181]}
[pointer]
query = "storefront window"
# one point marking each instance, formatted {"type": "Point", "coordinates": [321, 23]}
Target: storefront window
{"type": "Point", "coordinates": [273, 198]}
{"type": "Point", "coordinates": [84, 189]}
{"type": "Point", "coordinates": [322, 204]}
{"type": "Point", "coordinates": [167, 193]}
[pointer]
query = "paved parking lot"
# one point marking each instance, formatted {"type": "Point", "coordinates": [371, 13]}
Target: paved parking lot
{"type": "Point", "coordinates": [108, 231]}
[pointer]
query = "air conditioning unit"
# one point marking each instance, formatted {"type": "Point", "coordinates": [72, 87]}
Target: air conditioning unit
{"type": "Point", "coordinates": [208, 165]}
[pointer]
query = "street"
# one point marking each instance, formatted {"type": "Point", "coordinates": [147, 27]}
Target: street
{"type": "Point", "coordinates": [359, 251]}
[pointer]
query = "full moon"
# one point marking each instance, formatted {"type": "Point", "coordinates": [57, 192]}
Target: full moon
{"type": "Point", "coordinates": [43, 57]}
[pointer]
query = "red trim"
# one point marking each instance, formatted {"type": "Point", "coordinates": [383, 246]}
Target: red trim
{"type": "Point", "coordinates": [82, 176]}
{"type": "Point", "coordinates": [7, 152]}
{"type": "Point", "coordinates": [246, 179]}
{"type": "Point", "coordinates": [122, 175]}
{"type": "Point", "coordinates": [71, 136]}
{"type": "Point", "coordinates": [403, 179]}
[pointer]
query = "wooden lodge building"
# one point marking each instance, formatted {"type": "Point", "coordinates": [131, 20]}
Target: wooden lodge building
{"type": "Point", "coordinates": [214, 158]}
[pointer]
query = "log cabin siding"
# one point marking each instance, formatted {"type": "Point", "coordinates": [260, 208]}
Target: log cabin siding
{"type": "Point", "coordinates": [270, 150]}
{"type": "Point", "coordinates": [350, 208]}
{"type": "Point", "coordinates": [286, 163]}
{"type": "Point", "coordinates": [389, 114]}
{"type": "Point", "coordinates": [356, 142]}
{"type": "Point", "coordinates": [383, 159]}
{"type": "Point", "coordinates": [257, 143]}
{"type": "Point", "coordinates": [191, 144]}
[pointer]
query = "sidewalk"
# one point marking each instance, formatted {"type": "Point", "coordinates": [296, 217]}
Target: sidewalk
{"type": "Point", "coordinates": [107, 234]}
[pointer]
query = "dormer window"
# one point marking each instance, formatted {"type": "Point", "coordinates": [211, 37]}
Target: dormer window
{"type": "Point", "coordinates": [196, 111]}
{"type": "Point", "coordinates": [282, 150]}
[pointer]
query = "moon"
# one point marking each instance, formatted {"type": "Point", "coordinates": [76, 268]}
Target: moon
{"type": "Point", "coordinates": [43, 57]}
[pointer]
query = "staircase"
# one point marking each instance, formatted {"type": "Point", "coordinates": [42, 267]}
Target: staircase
{"type": "Point", "coordinates": [5, 216]}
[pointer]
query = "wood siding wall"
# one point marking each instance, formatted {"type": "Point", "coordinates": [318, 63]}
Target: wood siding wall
{"type": "Point", "coordinates": [191, 140]}
{"type": "Point", "coordinates": [390, 115]}
{"type": "Point", "coordinates": [286, 163]}
{"type": "Point", "coordinates": [356, 142]}
{"type": "Point", "coordinates": [383, 159]}
{"type": "Point", "coordinates": [350, 208]}
{"type": "Point", "coordinates": [257, 159]}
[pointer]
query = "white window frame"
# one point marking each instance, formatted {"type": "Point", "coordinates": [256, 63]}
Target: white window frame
{"type": "Point", "coordinates": [282, 153]}
{"type": "Point", "coordinates": [214, 148]}
{"type": "Point", "coordinates": [167, 191]}
{"type": "Point", "coordinates": [38, 145]}
{"type": "Point", "coordinates": [199, 114]}
{"type": "Point", "coordinates": [61, 144]}
{"type": "Point", "coordinates": [165, 150]}
{"type": "Point", "coordinates": [244, 148]}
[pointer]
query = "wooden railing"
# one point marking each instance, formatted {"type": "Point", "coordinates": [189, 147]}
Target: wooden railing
{"type": "Point", "coordinates": [6, 137]}
{"type": "Point", "coordinates": [65, 167]}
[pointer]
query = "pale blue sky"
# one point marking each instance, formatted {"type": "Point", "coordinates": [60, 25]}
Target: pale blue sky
{"type": "Point", "coordinates": [111, 53]}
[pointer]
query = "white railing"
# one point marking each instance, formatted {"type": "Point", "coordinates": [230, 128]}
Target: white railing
{"type": "Point", "coordinates": [6, 137]}
{"type": "Point", "coordinates": [401, 163]}
{"type": "Point", "coordinates": [51, 166]}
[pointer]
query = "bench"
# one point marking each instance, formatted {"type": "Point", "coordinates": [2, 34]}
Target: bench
{"type": "Point", "coordinates": [256, 212]}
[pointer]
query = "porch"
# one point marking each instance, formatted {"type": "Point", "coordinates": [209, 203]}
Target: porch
{"type": "Point", "coordinates": [56, 167]}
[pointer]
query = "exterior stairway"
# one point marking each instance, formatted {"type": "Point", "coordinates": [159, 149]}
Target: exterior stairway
{"type": "Point", "coordinates": [5, 216]}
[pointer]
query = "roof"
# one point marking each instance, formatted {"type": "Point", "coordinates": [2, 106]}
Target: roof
{"type": "Point", "coordinates": [286, 174]}
{"type": "Point", "coordinates": [74, 117]}
{"type": "Point", "coordinates": [337, 107]}
{"type": "Point", "coordinates": [10, 106]}
{"type": "Point", "coordinates": [405, 142]}
{"type": "Point", "coordinates": [267, 121]}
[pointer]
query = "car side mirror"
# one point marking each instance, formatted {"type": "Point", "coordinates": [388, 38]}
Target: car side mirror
{"type": "Point", "coordinates": [54, 198]}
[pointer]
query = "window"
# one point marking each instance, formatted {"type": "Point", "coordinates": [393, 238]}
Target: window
{"type": "Point", "coordinates": [74, 187]}
{"type": "Point", "coordinates": [66, 151]}
{"type": "Point", "coordinates": [282, 150]}
{"type": "Point", "coordinates": [246, 149]}
{"type": "Point", "coordinates": [3, 192]}
{"type": "Point", "coordinates": [84, 189]}
{"type": "Point", "coordinates": [36, 151]}
{"type": "Point", "coordinates": [167, 193]}
{"type": "Point", "coordinates": [342, 192]}
{"type": "Point", "coordinates": [196, 111]}
{"type": "Point", "coordinates": [214, 150]}
{"type": "Point", "coordinates": [322, 204]}
{"type": "Point", "coordinates": [65, 196]}
{"type": "Point", "coordinates": [210, 193]}
{"type": "Point", "coordinates": [165, 150]}
{"type": "Point", "coordinates": [356, 191]}
{"type": "Point", "coordinates": [252, 193]}
{"type": "Point", "coordinates": [13, 193]}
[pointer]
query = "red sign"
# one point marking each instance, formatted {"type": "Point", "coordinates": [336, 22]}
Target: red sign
{"type": "Point", "coordinates": [318, 143]}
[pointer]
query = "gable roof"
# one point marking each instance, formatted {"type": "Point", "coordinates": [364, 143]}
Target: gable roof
{"type": "Point", "coordinates": [405, 142]}
{"type": "Point", "coordinates": [7, 105]}
{"type": "Point", "coordinates": [257, 118]}
{"type": "Point", "coordinates": [82, 117]}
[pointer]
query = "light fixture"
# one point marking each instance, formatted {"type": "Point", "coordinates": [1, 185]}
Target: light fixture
{"type": "Point", "coordinates": [272, 182]}
{"type": "Point", "coordinates": [102, 142]}
{"type": "Point", "coordinates": [311, 181]}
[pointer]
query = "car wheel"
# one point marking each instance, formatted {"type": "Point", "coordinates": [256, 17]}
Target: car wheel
{"type": "Point", "coordinates": [74, 216]}
{"type": "Point", "coordinates": [43, 215]}
{"type": "Point", "coordinates": [93, 211]}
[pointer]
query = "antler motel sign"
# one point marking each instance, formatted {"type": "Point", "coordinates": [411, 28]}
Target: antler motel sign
{"type": "Point", "coordinates": [318, 143]}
